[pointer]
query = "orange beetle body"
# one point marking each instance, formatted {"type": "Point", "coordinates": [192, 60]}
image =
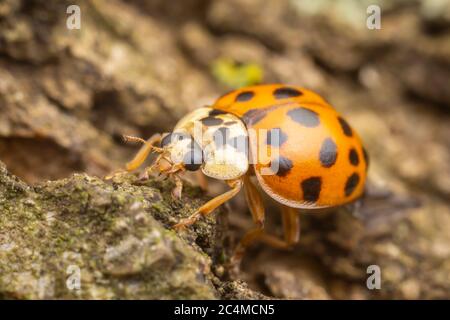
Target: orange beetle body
{"type": "Point", "coordinates": [322, 162]}
{"type": "Point", "coordinates": [312, 160]}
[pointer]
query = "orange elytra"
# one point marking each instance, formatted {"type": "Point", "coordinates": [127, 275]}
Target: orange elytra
{"type": "Point", "coordinates": [322, 158]}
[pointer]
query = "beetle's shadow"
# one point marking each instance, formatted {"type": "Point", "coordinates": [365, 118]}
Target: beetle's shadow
{"type": "Point", "coordinates": [330, 251]}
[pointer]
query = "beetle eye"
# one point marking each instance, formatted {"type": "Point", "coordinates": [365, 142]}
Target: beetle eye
{"type": "Point", "coordinates": [193, 159]}
{"type": "Point", "coordinates": [166, 140]}
{"type": "Point", "coordinates": [173, 137]}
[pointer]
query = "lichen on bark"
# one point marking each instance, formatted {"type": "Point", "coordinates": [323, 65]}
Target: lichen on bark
{"type": "Point", "coordinates": [115, 232]}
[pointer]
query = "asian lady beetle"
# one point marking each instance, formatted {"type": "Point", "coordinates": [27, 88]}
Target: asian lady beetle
{"type": "Point", "coordinates": [314, 159]}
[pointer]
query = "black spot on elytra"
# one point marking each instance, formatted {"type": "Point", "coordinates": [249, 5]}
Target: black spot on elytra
{"type": "Point", "coordinates": [220, 136]}
{"type": "Point", "coordinates": [353, 157]}
{"type": "Point", "coordinates": [351, 184]}
{"type": "Point", "coordinates": [245, 96]}
{"type": "Point", "coordinates": [276, 137]}
{"type": "Point", "coordinates": [253, 116]}
{"type": "Point", "coordinates": [211, 121]}
{"type": "Point", "coordinates": [311, 188]}
{"type": "Point", "coordinates": [215, 112]}
{"type": "Point", "coordinates": [285, 92]}
{"type": "Point", "coordinates": [229, 123]}
{"type": "Point", "coordinates": [328, 153]}
{"type": "Point", "coordinates": [366, 157]}
{"type": "Point", "coordinates": [345, 127]}
{"type": "Point", "coordinates": [305, 117]}
{"type": "Point", "coordinates": [281, 166]}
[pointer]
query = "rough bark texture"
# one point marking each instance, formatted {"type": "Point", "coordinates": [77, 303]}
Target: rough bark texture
{"type": "Point", "coordinates": [135, 67]}
{"type": "Point", "coordinates": [115, 233]}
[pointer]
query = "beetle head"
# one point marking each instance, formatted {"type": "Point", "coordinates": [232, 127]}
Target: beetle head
{"type": "Point", "coordinates": [181, 151]}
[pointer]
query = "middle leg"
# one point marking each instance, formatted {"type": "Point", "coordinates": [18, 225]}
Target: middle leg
{"type": "Point", "coordinates": [212, 204]}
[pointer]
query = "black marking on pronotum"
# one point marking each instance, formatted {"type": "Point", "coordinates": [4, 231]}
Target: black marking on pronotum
{"type": "Point", "coordinates": [276, 137]}
{"type": "Point", "coordinates": [351, 184]}
{"type": "Point", "coordinates": [253, 116]}
{"type": "Point", "coordinates": [311, 188]}
{"type": "Point", "coordinates": [229, 123]}
{"type": "Point", "coordinates": [281, 166]}
{"type": "Point", "coordinates": [211, 121]}
{"type": "Point", "coordinates": [245, 96]}
{"type": "Point", "coordinates": [216, 112]}
{"type": "Point", "coordinates": [305, 117]}
{"type": "Point", "coordinates": [345, 127]}
{"type": "Point", "coordinates": [328, 153]}
{"type": "Point", "coordinates": [353, 157]}
{"type": "Point", "coordinates": [285, 92]}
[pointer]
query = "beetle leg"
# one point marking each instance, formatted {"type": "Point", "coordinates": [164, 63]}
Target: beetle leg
{"type": "Point", "coordinates": [142, 154]}
{"type": "Point", "coordinates": [173, 169]}
{"type": "Point", "coordinates": [114, 174]}
{"type": "Point", "coordinates": [154, 165]}
{"type": "Point", "coordinates": [176, 192]}
{"type": "Point", "coordinates": [256, 207]}
{"type": "Point", "coordinates": [144, 176]}
{"type": "Point", "coordinates": [291, 227]}
{"type": "Point", "coordinates": [291, 224]}
{"type": "Point", "coordinates": [212, 204]}
{"type": "Point", "coordinates": [201, 180]}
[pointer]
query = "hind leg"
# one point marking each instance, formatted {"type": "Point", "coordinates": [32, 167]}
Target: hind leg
{"type": "Point", "coordinates": [291, 223]}
{"type": "Point", "coordinates": [201, 180]}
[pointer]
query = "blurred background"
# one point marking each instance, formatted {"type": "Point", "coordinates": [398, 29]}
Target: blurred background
{"type": "Point", "coordinates": [135, 67]}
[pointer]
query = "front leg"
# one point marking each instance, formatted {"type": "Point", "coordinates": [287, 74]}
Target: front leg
{"type": "Point", "coordinates": [142, 154]}
{"type": "Point", "coordinates": [176, 192]}
{"type": "Point", "coordinates": [212, 204]}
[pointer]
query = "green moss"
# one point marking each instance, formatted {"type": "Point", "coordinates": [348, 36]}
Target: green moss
{"type": "Point", "coordinates": [109, 230]}
{"type": "Point", "coordinates": [236, 75]}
